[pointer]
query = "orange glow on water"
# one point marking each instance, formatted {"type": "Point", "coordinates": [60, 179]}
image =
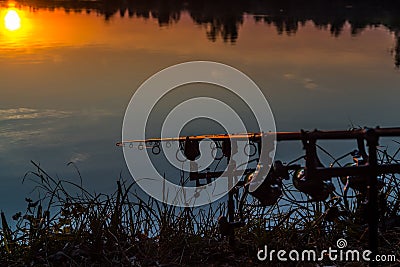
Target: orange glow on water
{"type": "Point", "coordinates": [27, 31]}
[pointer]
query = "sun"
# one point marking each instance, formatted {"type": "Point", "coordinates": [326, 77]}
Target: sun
{"type": "Point", "coordinates": [12, 20]}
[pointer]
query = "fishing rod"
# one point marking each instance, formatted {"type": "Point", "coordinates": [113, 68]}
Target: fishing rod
{"type": "Point", "coordinates": [280, 136]}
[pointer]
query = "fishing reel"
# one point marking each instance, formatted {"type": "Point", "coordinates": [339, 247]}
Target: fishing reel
{"type": "Point", "coordinates": [267, 187]}
{"type": "Point", "coordinates": [264, 186]}
{"type": "Point", "coordinates": [191, 149]}
{"type": "Point", "coordinates": [358, 183]}
{"type": "Point", "coordinates": [304, 180]}
{"type": "Point", "coordinates": [317, 189]}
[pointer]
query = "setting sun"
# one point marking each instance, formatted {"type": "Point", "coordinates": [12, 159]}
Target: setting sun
{"type": "Point", "coordinates": [12, 20]}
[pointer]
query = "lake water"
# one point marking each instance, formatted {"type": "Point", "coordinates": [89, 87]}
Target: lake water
{"type": "Point", "coordinates": [68, 70]}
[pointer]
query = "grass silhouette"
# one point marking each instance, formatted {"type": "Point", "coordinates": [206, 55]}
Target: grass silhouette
{"type": "Point", "coordinates": [75, 227]}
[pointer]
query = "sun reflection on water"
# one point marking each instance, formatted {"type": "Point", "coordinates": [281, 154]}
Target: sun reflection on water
{"type": "Point", "coordinates": [14, 25]}
{"type": "Point", "coordinates": [12, 20]}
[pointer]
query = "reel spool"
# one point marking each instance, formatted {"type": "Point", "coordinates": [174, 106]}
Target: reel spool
{"type": "Point", "coordinates": [317, 189]}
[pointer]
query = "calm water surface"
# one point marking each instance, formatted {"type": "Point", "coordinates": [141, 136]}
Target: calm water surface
{"type": "Point", "coordinates": [68, 71]}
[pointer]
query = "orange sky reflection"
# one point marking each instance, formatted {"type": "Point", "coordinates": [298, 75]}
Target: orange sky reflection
{"type": "Point", "coordinates": [82, 54]}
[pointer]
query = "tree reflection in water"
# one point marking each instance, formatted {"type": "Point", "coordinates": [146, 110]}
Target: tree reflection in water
{"type": "Point", "coordinates": [223, 18]}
